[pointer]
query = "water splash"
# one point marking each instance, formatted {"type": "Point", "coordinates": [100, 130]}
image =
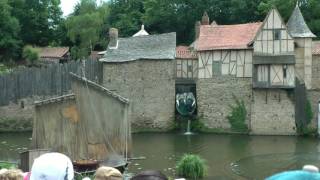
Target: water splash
{"type": "Point", "coordinates": [188, 132]}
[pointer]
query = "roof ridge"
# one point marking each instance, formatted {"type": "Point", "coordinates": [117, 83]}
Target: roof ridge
{"type": "Point", "coordinates": [223, 25]}
{"type": "Point", "coordinates": [150, 35]}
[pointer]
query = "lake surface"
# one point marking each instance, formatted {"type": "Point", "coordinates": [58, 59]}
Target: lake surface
{"type": "Point", "coordinates": [227, 156]}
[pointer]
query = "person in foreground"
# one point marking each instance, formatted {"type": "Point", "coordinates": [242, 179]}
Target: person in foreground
{"type": "Point", "coordinates": [309, 172]}
{"type": "Point", "coordinates": [52, 166]}
{"type": "Point", "coordinates": [107, 173]}
{"type": "Point", "coordinates": [11, 174]}
{"type": "Point", "coordinates": [149, 175]}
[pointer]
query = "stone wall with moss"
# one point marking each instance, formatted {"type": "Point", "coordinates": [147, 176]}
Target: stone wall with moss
{"type": "Point", "coordinates": [216, 95]}
{"type": "Point", "coordinates": [17, 117]}
{"type": "Point", "coordinates": [314, 98]}
{"type": "Point", "coordinates": [273, 112]}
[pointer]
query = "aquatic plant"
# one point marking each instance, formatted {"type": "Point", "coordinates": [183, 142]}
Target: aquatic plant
{"type": "Point", "coordinates": [191, 166]}
{"type": "Point", "coordinates": [238, 116]}
{"type": "Point", "coordinates": [306, 128]}
{"type": "Point", "coordinates": [7, 165]}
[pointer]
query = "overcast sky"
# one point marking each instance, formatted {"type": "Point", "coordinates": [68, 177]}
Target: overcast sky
{"type": "Point", "coordinates": [67, 6]}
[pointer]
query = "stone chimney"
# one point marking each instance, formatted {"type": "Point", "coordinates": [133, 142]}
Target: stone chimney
{"type": "Point", "coordinates": [113, 38]}
{"type": "Point", "coordinates": [197, 29]}
{"type": "Point", "coordinates": [205, 19]}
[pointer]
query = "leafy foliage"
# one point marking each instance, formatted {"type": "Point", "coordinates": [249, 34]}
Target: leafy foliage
{"type": "Point", "coordinates": [7, 165]}
{"type": "Point", "coordinates": [9, 30]}
{"type": "Point", "coordinates": [87, 27]}
{"type": "Point", "coordinates": [238, 116]}
{"type": "Point", "coordinates": [191, 166]}
{"type": "Point", "coordinates": [309, 112]}
{"type": "Point", "coordinates": [306, 128]}
{"type": "Point", "coordinates": [84, 28]}
{"type": "Point", "coordinates": [31, 55]}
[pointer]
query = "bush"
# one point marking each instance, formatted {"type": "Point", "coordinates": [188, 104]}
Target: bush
{"type": "Point", "coordinates": [7, 165]}
{"type": "Point", "coordinates": [238, 116]}
{"type": "Point", "coordinates": [309, 112]}
{"type": "Point", "coordinates": [31, 55]}
{"type": "Point", "coordinates": [191, 166]}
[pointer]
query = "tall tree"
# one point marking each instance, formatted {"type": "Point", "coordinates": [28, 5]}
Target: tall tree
{"type": "Point", "coordinates": [126, 15]}
{"type": "Point", "coordinates": [311, 10]}
{"type": "Point", "coordinates": [39, 20]}
{"type": "Point", "coordinates": [84, 27]}
{"type": "Point", "coordinates": [9, 30]}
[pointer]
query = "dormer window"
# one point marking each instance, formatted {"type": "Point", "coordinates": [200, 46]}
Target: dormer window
{"type": "Point", "coordinates": [277, 34]}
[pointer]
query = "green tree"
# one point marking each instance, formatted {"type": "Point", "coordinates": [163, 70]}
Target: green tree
{"type": "Point", "coordinates": [9, 30]}
{"type": "Point", "coordinates": [39, 20]}
{"type": "Point", "coordinates": [285, 7]}
{"type": "Point", "coordinates": [84, 27]}
{"type": "Point", "coordinates": [311, 10]}
{"type": "Point", "coordinates": [126, 15]}
{"type": "Point", "coordinates": [31, 55]}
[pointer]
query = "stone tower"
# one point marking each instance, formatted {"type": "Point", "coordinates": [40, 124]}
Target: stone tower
{"type": "Point", "coordinates": [302, 35]}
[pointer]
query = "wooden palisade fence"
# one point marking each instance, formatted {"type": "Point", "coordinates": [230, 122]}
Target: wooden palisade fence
{"type": "Point", "coordinates": [51, 80]}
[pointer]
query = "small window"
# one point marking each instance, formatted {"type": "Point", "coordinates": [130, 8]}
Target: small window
{"type": "Point", "coordinates": [216, 68]}
{"type": "Point", "coordinates": [190, 68]}
{"type": "Point", "coordinates": [277, 34]}
{"type": "Point", "coordinates": [263, 73]}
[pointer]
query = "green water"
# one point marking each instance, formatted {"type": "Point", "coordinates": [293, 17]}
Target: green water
{"type": "Point", "coordinates": [228, 156]}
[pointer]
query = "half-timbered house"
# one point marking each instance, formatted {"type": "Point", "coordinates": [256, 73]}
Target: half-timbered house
{"type": "Point", "coordinates": [254, 62]}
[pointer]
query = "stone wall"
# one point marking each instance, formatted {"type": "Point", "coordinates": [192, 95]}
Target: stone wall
{"type": "Point", "coordinates": [150, 87]}
{"type": "Point", "coordinates": [17, 116]}
{"type": "Point", "coordinates": [215, 95]}
{"type": "Point", "coordinates": [314, 98]}
{"type": "Point", "coordinates": [316, 72]}
{"type": "Point", "coordinates": [273, 112]}
{"type": "Point", "coordinates": [314, 94]}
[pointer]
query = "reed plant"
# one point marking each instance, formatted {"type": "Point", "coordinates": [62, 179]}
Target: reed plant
{"type": "Point", "coordinates": [191, 166]}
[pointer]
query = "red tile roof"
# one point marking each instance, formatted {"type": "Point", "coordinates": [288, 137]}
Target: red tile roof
{"type": "Point", "coordinates": [316, 48]}
{"type": "Point", "coordinates": [184, 52]}
{"type": "Point", "coordinates": [236, 36]}
{"type": "Point", "coordinates": [53, 52]}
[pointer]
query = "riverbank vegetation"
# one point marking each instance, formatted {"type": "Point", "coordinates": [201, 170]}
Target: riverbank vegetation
{"type": "Point", "coordinates": [238, 115]}
{"type": "Point", "coordinates": [41, 23]}
{"type": "Point", "coordinates": [307, 129]}
{"type": "Point", "coordinates": [191, 166]}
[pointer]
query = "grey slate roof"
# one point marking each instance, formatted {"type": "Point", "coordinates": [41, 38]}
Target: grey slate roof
{"type": "Point", "coordinates": [155, 47]}
{"type": "Point", "coordinates": [297, 27]}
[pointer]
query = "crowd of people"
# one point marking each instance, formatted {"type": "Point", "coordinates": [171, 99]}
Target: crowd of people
{"type": "Point", "coordinates": [57, 166]}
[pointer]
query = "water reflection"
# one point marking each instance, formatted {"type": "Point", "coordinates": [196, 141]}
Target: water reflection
{"type": "Point", "coordinates": [13, 143]}
{"type": "Point", "coordinates": [228, 156]}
